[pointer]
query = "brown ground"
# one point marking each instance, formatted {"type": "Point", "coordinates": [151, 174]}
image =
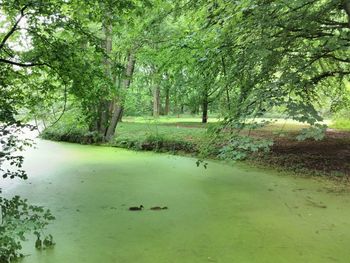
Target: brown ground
{"type": "Point", "coordinates": [330, 156]}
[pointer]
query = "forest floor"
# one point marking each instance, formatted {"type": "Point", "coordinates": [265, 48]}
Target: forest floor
{"type": "Point", "coordinates": [330, 156]}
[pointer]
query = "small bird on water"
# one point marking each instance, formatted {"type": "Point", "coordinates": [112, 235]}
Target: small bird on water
{"type": "Point", "coordinates": [159, 208]}
{"type": "Point", "coordinates": [136, 208]}
{"type": "Point", "coordinates": [38, 243]}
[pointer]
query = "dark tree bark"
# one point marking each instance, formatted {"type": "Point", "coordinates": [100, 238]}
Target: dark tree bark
{"type": "Point", "coordinates": [120, 119]}
{"type": "Point", "coordinates": [226, 86]}
{"type": "Point", "coordinates": [346, 5]}
{"type": "Point", "coordinates": [102, 122]}
{"type": "Point", "coordinates": [205, 104]}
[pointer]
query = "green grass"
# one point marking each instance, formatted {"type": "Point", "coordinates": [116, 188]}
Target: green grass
{"type": "Point", "coordinates": [189, 121]}
{"type": "Point", "coordinates": [158, 137]}
{"type": "Point", "coordinates": [184, 133]}
{"type": "Point", "coordinates": [341, 124]}
{"type": "Point", "coordinates": [176, 129]}
{"type": "Point", "coordinates": [141, 130]}
{"type": "Point", "coordinates": [187, 128]}
{"type": "Point", "coordinates": [170, 119]}
{"type": "Point", "coordinates": [184, 128]}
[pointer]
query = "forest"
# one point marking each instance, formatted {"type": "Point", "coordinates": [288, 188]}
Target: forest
{"type": "Point", "coordinates": [235, 112]}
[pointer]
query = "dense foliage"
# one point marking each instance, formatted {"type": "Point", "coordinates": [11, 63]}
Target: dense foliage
{"type": "Point", "coordinates": [237, 59]}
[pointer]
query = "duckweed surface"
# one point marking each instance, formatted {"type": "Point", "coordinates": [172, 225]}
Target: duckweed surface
{"type": "Point", "coordinates": [221, 214]}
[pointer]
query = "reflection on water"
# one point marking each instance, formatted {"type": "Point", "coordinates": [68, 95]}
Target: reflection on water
{"type": "Point", "coordinates": [222, 214]}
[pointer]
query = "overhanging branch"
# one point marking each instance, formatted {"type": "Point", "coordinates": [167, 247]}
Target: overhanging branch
{"type": "Point", "coordinates": [20, 64]}
{"type": "Point", "coordinates": [14, 27]}
{"type": "Point", "coordinates": [328, 74]}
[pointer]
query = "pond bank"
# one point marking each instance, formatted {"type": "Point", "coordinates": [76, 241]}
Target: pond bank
{"type": "Point", "coordinates": [327, 158]}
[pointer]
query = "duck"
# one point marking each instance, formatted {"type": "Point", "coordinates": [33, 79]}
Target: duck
{"type": "Point", "coordinates": [136, 208]}
{"type": "Point", "coordinates": [38, 243]}
{"type": "Point", "coordinates": [158, 208]}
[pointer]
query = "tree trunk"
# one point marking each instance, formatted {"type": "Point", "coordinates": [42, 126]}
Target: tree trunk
{"type": "Point", "coordinates": [104, 107]}
{"type": "Point", "coordinates": [205, 108]}
{"type": "Point", "coordinates": [156, 101]}
{"type": "Point", "coordinates": [182, 109]}
{"type": "Point", "coordinates": [226, 86]}
{"type": "Point", "coordinates": [102, 122]}
{"type": "Point", "coordinates": [346, 5]}
{"type": "Point", "coordinates": [120, 119]}
{"type": "Point", "coordinates": [167, 102]}
{"type": "Point", "coordinates": [117, 107]}
{"type": "Point", "coordinates": [228, 99]}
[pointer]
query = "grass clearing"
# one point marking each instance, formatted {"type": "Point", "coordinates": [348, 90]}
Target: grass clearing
{"type": "Point", "coordinates": [341, 124]}
{"type": "Point", "coordinates": [169, 119]}
{"type": "Point", "coordinates": [139, 130]}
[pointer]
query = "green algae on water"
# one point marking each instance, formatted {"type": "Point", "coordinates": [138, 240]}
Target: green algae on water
{"type": "Point", "coordinates": [220, 214]}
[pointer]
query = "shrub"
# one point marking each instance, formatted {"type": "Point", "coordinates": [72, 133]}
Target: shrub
{"type": "Point", "coordinates": [240, 147]}
{"type": "Point", "coordinates": [18, 218]}
{"type": "Point", "coordinates": [155, 142]}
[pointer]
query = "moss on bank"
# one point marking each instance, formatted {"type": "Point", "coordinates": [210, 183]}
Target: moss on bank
{"type": "Point", "coordinates": [74, 137]}
{"type": "Point", "coordinates": [136, 136]}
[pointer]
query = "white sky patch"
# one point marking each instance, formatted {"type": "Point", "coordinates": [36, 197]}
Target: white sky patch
{"type": "Point", "coordinates": [3, 23]}
{"type": "Point", "coordinates": [20, 42]}
{"type": "Point", "coordinates": [23, 42]}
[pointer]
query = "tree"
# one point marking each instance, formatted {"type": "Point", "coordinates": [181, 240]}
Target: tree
{"type": "Point", "coordinates": [36, 65]}
{"type": "Point", "coordinates": [280, 53]}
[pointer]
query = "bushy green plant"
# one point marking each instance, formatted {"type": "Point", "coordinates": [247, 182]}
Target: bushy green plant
{"type": "Point", "coordinates": [17, 217]}
{"type": "Point", "coordinates": [71, 128]}
{"type": "Point", "coordinates": [155, 141]}
{"type": "Point", "coordinates": [239, 147]}
{"type": "Point", "coordinates": [316, 132]}
{"type": "Point", "coordinates": [70, 123]}
{"type": "Point", "coordinates": [127, 143]}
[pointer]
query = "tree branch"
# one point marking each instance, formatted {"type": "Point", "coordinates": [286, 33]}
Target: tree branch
{"type": "Point", "coordinates": [345, 60]}
{"type": "Point", "coordinates": [346, 6]}
{"type": "Point", "coordinates": [328, 74]}
{"type": "Point", "coordinates": [14, 27]}
{"type": "Point", "coordinates": [20, 64]}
